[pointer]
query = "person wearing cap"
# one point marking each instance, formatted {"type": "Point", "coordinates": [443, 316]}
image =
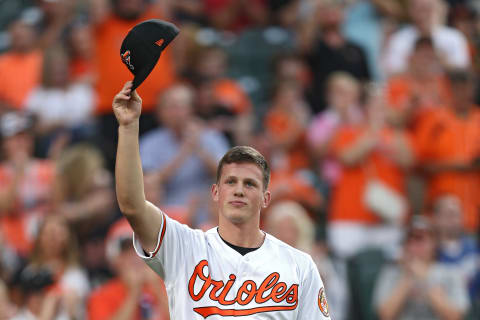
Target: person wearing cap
{"type": "Point", "coordinates": [448, 149]}
{"type": "Point", "coordinates": [417, 287]}
{"type": "Point", "coordinates": [135, 292]}
{"type": "Point", "coordinates": [26, 183]}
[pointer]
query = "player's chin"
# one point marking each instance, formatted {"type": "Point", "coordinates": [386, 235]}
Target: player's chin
{"type": "Point", "coordinates": [236, 216]}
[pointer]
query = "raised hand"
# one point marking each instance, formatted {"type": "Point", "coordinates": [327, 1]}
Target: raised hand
{"type": "Point", "coordinates": [127, 105]}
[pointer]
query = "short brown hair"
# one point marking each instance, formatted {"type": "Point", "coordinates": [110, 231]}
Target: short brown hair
{"type": "Point", "coordinates": [245, 154]}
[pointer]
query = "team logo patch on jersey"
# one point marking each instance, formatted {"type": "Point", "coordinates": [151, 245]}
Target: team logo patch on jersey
{"type": "Point", "coordinates": [126, 59]}
{"type": "Point", "coordinates": [322, 302]}
{"type": "Point", "coordinates": [271, 295]}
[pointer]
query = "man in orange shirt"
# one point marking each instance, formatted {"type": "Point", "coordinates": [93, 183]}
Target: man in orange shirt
{"type": "Point", "coordinates": [136, 292]}
{"type": "Point", "coordinates": [20, 67]}
{"type": "Point", "coordinates": [111, 25]}
{"type": "Point", "coordinates": [420, 90]}
{"type": "Point", "coordinates": [448, 146]}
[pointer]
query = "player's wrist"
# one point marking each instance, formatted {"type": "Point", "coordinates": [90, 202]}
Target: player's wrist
{"type": "Point", "coordinates": [130, 126]}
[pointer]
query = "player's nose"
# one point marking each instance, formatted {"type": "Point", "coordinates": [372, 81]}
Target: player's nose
{"type": "Point", "coordinates": [239, 190]}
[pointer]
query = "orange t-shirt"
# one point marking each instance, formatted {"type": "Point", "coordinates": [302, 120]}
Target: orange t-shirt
{"type": "Point", "coordinates": [105, 301]}
{"type": "Point", "coordinates": [20, 73]}
{"type": "Point", "coordinates": [112, 73]}
{"type": "Point", "coordinates": [346, 203]}
{"type": "Point", "coordinates": [284, 130]}
{"type": "Point", "coordinates": [445, 138]}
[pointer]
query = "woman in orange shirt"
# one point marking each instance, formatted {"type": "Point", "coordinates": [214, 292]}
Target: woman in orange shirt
{"type": "Point", "coordinates": [370, 151]}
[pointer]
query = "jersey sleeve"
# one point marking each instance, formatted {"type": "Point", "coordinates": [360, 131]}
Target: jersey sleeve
{"type": "Point", "coordinates": [175, 245]}
{"type": "Point", "coordinates": [313, 298]}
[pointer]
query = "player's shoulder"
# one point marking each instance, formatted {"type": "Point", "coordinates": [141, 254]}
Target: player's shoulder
{"type": "Point", "coordinates": [302, 258]}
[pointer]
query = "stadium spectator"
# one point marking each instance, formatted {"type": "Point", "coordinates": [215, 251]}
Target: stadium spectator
{"type": "Point", "coordinates": [285, 129]}
{"type": "Point", "coordinates": [24, 59]}
{"type": "Point", "coordinates": [292, 67]}
{"type": "Point", "coordinates": [448, 149]}
{"type": "Point", "coordinates": [422, 88]}
{"type": "Point", "coordinates": [80, 45]}
{"type": "Point", "coordinates": [454, 246]}
{"type": "Point", "coordinates": [135, 292]}
{"type": "Point", "coordinates": [374, 157]}
{"type": "Point", "coordinates": [58, 104]}
{"type": "Point", "coordinates": [56, 250]}
{"type": "Point", "coordinates": [186, 162]}
{"type": "Point", "coordinates": [51, 20]}
{"type": "Point", "coordinates": [84, 191]}
{"type": "Point", "coordinates": [283, 142]}
{"type": "Point", "coordinates": [343, 100]}
{"type": "Point", "coordinates": [254, 69]}
{"type": "Point", "coordinates": [328, 51]}
{"type": "Point", "coordinates": [221, 102]}
{"type": "Point", "coordinates": [26, 184]}
{"type": "Point", "coordinates": [428, 19]}
{"type": "Point", "coordinates": [417, 287]}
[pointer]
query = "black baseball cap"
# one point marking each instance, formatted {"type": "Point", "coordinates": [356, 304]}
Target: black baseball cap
{"type": "Point", "coordinates": [143, 46]}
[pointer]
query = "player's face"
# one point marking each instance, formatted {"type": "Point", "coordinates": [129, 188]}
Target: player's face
{"type": "Point", "coordinates": [240, 193]}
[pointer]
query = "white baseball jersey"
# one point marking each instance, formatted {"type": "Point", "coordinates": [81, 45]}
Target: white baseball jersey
{"type": "Point", "coordinates": [207, 279]}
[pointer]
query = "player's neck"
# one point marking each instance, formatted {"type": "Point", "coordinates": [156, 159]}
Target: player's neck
{"type": "Point", "coordinates": [243, 235]}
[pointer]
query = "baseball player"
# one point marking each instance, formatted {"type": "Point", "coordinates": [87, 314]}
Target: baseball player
{"type": "Point", "coordinates": [233, 271]}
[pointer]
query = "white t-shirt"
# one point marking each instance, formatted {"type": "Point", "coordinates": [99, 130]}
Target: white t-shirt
{"type": "Point", "coordinates": [205, 277]}
{"type": "Point", "coordinates": [72, 106]}
{"type": "Point", "coordinates": [448, 42]}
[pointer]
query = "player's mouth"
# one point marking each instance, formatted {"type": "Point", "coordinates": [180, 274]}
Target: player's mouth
{"type": "Point", "coordinates": [238, 203]}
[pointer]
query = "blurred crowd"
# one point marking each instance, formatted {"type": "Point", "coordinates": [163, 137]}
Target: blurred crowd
{"type": "Point", "coordinates": [365, 109]}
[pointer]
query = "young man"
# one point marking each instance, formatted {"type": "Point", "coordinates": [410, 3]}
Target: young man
{"type": "Point", "coordinates": [235, 270]}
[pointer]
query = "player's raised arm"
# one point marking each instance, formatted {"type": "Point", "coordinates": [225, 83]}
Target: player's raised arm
{"type": "Point", "coordinates": [143, 216]}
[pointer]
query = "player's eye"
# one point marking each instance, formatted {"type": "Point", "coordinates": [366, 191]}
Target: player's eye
{"type": "Point", "coordinates": [250, 184]}
{"type": "Point", "coordinates": [230, 181]}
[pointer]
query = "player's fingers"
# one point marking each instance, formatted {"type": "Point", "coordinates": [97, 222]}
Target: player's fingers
{"type": "Point", "coordinates": [127, 88]}
{"type": "Point", "coordinates": [121, 96]}
{"type": "Point", "coordinates": [127, 85]}
{"type": "Point", "coordinates": [136, 96]}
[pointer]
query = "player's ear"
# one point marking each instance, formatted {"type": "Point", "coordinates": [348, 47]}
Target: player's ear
{"type": "Point", "coordinates": [267, 196]}
{"type": "Point", "coordinates": [214, 192]}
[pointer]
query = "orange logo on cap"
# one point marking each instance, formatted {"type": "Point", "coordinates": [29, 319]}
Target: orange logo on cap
{"type": "Point", "coordinates": [126, 59]}
{"type": "Point", "coordinates": [159, 42]}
